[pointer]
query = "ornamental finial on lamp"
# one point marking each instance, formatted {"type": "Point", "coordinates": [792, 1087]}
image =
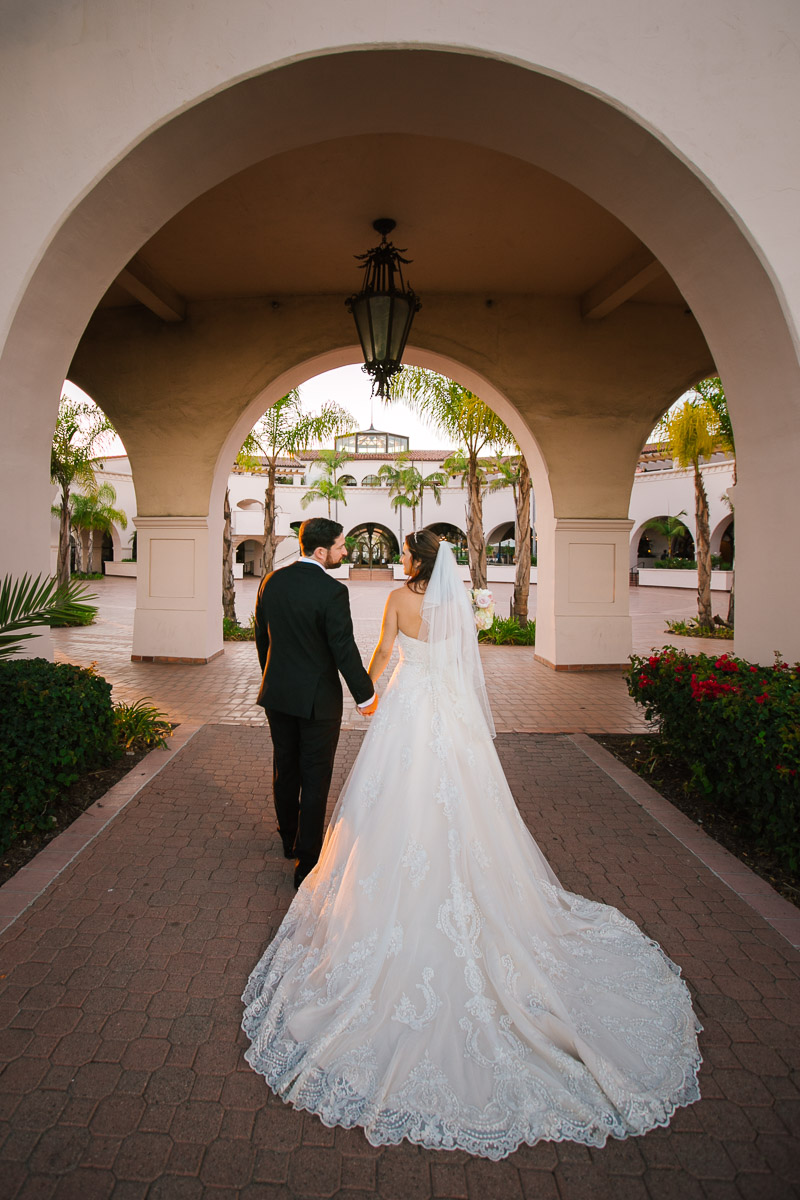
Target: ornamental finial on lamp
{"type": "Point", "coordinates": [383, 310]}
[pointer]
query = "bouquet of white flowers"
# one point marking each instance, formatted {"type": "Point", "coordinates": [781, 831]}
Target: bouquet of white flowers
{"type": "Point", "coordinates": [482, 607]}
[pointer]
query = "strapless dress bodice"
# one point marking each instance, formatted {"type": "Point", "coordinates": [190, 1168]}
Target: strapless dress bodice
{"type": "Point", "coordinates": [412, 651]}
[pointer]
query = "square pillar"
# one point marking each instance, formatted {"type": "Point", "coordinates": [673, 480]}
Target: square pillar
{"type": "Point", "coordinates": [582, 612]}
{"type": "Point", "coordinates": [178, 616]}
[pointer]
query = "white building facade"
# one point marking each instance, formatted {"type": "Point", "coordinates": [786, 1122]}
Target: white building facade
{"type": "Point", "coordinates": [660, 490]}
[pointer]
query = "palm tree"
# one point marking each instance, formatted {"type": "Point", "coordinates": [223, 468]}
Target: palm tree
{"type": "Point", "coordinates": [514, 473]}
{"type": "Point", "coordinates": [472, 424]}
{"type": "Point", "coordinates": [328, 487]}
{"type": "Point", "coordinates": [80, 430]}
{"type": "Point", "coordinates": [693, 433]}
{"type": "Point", "coordinates": [228, 585]}
{"type": "Point", "coordinates": [286, 431]}
{"type": "Point", "coordinates": [94, 512]}
{"type": "Point", "coordinates": [404, 491]}
{"type": "Point", "coordinates": [434, 484]}
{"type": "Point", "coordinates": [713, 393]}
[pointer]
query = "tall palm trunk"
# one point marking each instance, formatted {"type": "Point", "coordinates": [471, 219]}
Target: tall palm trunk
{"type": "Point", "coordinates": [732, 598]}
{"type": "Point", "coordinates": [89, 551]}
{"type": "Point", "coordinates": [63, 539]}
{"type": "Point", "coordinates": [268, 553]}
{"type": "Point", "coordinates": [522, 541]}
{"type": "Point", "coordinates": [78, 550]}
{"type": "Point", "coordinates": [476, 546]}
{"type": "Point", "coordinates": [228, 586]}
{"type": "Point", "coordinates": [705, 615]}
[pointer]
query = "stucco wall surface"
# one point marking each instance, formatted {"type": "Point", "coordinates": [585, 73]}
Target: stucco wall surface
{"type": "Point", "coordinates": [98, 75]}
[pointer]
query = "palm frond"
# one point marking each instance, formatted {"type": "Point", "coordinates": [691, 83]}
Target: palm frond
{"type": "Point", "coordinates": [30, 602]}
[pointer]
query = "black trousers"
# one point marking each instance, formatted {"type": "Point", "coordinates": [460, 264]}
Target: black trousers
{"type": "Point", "coordinates": [302, 768]}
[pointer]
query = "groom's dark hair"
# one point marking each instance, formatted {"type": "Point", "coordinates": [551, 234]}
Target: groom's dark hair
{"type": "Point", "coordinates": [318, 531]}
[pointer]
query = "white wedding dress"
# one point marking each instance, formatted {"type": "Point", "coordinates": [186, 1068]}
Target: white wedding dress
{"type": "Point", "coordinates": [433, 981]}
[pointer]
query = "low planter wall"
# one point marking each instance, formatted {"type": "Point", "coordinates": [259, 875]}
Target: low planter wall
{"type": "Point", "coordinates": [127, 569]}
{"type": "Point", "coordinates": [658, 577]}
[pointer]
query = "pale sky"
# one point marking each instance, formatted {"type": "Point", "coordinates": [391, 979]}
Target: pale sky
{"type": "Point", "coordinates": [350, 388]}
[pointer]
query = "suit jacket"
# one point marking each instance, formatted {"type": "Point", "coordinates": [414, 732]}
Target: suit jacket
{"type": "Point", "coordinates": [304, 638]}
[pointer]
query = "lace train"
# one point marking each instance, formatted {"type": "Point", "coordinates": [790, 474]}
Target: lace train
{"type": "Point", "coordinates": [432, 980]}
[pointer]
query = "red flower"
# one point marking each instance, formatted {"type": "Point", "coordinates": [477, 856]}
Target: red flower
{"type": "Point", "coordinates": [726, 664]}
{"type": "Point", "coordinates": [762, 699]}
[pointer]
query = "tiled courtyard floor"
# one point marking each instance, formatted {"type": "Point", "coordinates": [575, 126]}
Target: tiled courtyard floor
{"type": "Point", "coordinates": [119, 1007]}
{"type": "Point", "coordinates": [526, 696]}
{"type": "Point", "coordinates": [129, 940]}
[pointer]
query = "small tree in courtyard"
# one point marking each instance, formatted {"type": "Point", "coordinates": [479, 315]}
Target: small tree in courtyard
{"type": "Point", "coordinates": [81, 428]}
{"type": "Point", "coordinates": [472, 424]}
{"type": "Point", "coordinates": [94, 512]}
{"type": "Point", "coordinates": [328, 487]}
{"type": "Point", "coordinates": [692, 434]}
{"type": "Point", "coordinates": [514, 473]}
{"type": "Point", "coordinates": [284, 431]}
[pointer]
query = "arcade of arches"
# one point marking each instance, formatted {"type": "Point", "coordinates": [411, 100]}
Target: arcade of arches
{"type": "Point", "coordinates": [186, 264]}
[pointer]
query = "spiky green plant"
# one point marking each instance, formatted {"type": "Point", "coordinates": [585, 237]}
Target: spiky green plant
{"type": "Point", "coordinates": [140, 725]}
{"type": "Point", "coordinates": [30, 602]}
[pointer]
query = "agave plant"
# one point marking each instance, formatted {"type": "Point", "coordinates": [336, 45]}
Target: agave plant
{"type": "Point", "coordinates": [28, 602]}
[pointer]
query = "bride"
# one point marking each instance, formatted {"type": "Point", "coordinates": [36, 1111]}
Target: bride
{"type": "Point", "coordinates": [432, 980]}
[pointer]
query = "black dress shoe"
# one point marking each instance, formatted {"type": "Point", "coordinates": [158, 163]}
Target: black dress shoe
{"type": "Point", "coordinates": [288, 851]}
{"type": "Point", "coordinates": [300, 872]}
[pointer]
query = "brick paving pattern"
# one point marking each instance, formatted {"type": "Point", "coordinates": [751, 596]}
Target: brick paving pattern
{"type": "Point", "coordinates": [224, 691]}
{"type": "Point", "coordinates": [122, 1070]}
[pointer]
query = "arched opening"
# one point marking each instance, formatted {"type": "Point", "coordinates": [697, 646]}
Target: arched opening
{"type": "Point", "coordinates": [348, 481]}
{"type": "Point", "coordinates": [453, 534]}
{"type": "Point", "coordinates": [371, 546]}
{"type": "Point", "coordinates": [723, 543]}
{"type": "Point", "coordinates": [500, 545]}
{"type": "Point", "coordinates": [664, 538]}
{"type": "Point", "coordinates": [248, 556]}
{"type": "Point", "coordinates": [577, 140]}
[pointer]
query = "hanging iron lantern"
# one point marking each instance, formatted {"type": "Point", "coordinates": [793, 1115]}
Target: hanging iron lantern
{"type": "Point", "coordinates": [383, 310]}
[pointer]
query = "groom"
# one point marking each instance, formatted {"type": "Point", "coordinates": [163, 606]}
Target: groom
{"type": "Point", "coordinates": [304, 638]}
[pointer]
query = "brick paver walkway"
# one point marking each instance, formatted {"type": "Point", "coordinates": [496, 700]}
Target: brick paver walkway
{"type": "Point", "coordinates": [119, 1007]}
{"type": "Point", "coordinates": [526, 696]}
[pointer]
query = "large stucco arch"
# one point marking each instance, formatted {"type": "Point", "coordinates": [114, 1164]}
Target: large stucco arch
{"type": "Point", "coordinates": [631, 143]}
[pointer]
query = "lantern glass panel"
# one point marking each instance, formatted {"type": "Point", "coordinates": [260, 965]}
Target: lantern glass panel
{"type": "Point", "coordinates": [381, 315]}
{"type": "Point", "coordinates": [401, 324]}
{"type": "Point", "coordinates": [361, 316]}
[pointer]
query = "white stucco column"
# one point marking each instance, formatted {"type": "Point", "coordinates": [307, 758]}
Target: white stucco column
{"type": "Point", "coordinates": [582, 613]}
{"type": "Point", "coordinates": [178, 615]}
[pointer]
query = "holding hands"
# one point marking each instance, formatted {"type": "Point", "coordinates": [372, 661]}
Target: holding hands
{"type": "Point", "coordinates": [370, 708]}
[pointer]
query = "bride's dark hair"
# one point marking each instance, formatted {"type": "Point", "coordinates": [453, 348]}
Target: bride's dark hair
{"type": "Point", "coordinates": [424, 546]}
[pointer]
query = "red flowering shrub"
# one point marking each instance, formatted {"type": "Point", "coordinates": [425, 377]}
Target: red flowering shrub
{"type": "Point", "coordinates": [737, 727]}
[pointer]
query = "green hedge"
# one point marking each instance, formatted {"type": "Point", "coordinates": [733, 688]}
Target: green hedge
{"type": "Point", "coordinates": [57, 724]}
{"type": "Point", "coordinates": [737, 727]}
{"type": "Point", "coordinates": [687, 564]}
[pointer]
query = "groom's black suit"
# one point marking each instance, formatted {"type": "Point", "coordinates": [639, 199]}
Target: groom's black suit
{"type": "Point", "coordinates": [304, 638]}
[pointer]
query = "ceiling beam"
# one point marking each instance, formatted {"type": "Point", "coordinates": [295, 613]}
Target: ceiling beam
{"type": "Point", "coordinates": [145, 286]}
{"type": "Point", "coordinates": [624, 281]}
